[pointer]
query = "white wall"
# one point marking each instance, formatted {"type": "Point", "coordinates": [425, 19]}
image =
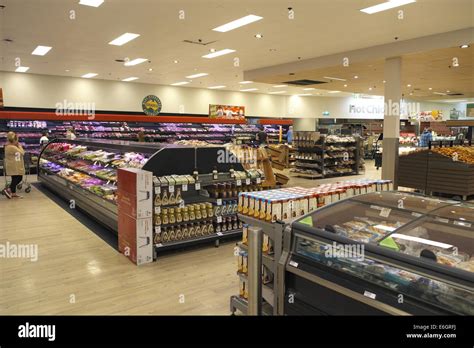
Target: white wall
{"type": "Point", "coordinates": [42, 91]}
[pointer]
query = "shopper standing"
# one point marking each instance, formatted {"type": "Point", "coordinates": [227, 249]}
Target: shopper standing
{"type": "Point", "coordinates": [14, 165]}
{"type": "Point", "coordinates": [426, 137]}
{"type": "Point", "coordinates": [289, 135]}
{"type": "Point", "coordinates": [44, 139]}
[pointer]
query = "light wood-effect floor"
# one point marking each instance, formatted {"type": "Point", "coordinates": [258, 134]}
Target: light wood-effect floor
{"type": "Point", "coordinates": [75, 264]}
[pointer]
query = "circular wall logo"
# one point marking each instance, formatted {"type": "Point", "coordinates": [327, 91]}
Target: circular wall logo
{"type": "Point", "coordinates": [151, 105]}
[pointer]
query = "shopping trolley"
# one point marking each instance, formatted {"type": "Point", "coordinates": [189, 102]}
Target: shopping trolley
{"type": "Point", "coordinates": [24, 184]}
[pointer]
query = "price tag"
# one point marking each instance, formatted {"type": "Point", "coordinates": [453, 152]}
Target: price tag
{"type": "Point", "coordinates": [157, 190]}
{"type": "Point", "coordinates": [294, 264]}
{"type": "Point", "coordinates": [158, 229]}
{"type": "Point", "coordinates": [247, 181]}
{"type": "Point", "coordinates": [219, 201]}
{"type": "Point", "coordinates": [219, 219]}
{"type": "Point", "coordinates": [259, 180]}
{"type": "Point", "coordinates": [219, 233]}
{"type": "Point", "coordinates": [159, 245]}
{"type": "Point", "coordinates": [239, 182]}
{"type": "Point", "coordinates": [370, 294]}
{"type": "Point", "coordinates": [171, 189]}
{"type": "Point", "coordinates": [385, 212]}
{"type": "Point", "coordinates": [461, 223]}
{"type": "Point", "coordinates": [181, 204]}
{"type": "Point", "coordinates": [345, 156]}
{"type": "Point", "coordinates": [197, 186]}
{"type": "Point", "coordinates": [215, 176]}
{"type": "Point", "coordinates": [185, 187]}
{"type": "Point", "coordinates": [157, 210]}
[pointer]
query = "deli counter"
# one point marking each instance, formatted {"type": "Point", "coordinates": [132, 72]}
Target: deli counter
{"type": "Point", "coordinates": [383, 253]}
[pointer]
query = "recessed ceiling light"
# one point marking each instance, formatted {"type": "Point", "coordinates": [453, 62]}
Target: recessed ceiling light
{"type": "Point", "coordinates": [430, 88]}
{"type": "Point", "coordinates": [130, 79]}
{"type": "Point", "coordinates": [386, 6]}
{"type": "Point", "coordinates": [180, 83]}
{"type": "Point", "coordinates": [22, 69]}
{"type": "Point", "coordinates": [67, 70]}
{"type": "Point", "coordinates": [245, 82]}
{"type": "Point", "coordinates": [93, 3]}
{"type": "Point", "coordinates": [216, 87]}
{"type": "Point", "coordinates": [195, 76]}
{"type": "Point", "coordinates": [123, 39]}
{"type": "Point", "coordinates": [258, 36]}
{"type": "Point", "coordinates": [212, 50]}
{"type": "Point", "coordinates": [370, 88]}
{"type": "Point", "coordinates": [356, 77]}
{"type": "Point", "coordinates": [176, 61]}
{"type": "Point", "coordinates": [279, 86]}
{"type": "Point", "coordinates": [384, 81]}
{"type": "Point", "coordinates": [237, 23]}
{"type": "Point", "coordinates": [89, 75]}
{"type": "Point", "coordinates": [408, 85]}
{"type": "Point", "coordinates": [41, 50]}
{"type": "Point", "coordinates": [309, 89]}
{"type": "Point", "coordinates": [334, 91]}
{"type": "Point", "coordinates": [136, 61]}
{"type": "Point", "coordinates": [150, 69]}
{"type": "Point", "coordinates": [278, 92]}
{"type": "Point", "coordinates": [448, 91]}
{"type": "Point", "coordinates": [464, 46]}
{"type": "Point", "coordinates": [345, 85]}
{"type": "Point", "coordinates": [249, 89]}
{"type": "Point", "coordinates": [334, 78]}
{"type": "Point", "coordinates": [218, 53]}
{"type": "Point", "coordinates": [411, 93]}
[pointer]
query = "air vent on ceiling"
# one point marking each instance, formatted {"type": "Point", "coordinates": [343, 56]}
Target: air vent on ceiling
{"type": "Point", "coordinates": [304, 82]}
{"type": "Point", "coordinates": [199, 42]}
{"type": "Point", "coordinates": [454, 94]}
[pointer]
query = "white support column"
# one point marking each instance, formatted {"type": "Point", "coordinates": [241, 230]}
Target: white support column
{"type": "Point", "coordinates": [391, 122]}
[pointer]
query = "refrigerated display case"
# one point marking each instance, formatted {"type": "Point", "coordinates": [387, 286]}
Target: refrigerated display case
{"type": "Point", "coordinates": [382, 253]}
{"type": "Point", "coordinates": [85, 170]}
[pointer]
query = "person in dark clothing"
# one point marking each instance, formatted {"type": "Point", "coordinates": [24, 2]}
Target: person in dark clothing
{"type": "Point", "coordinates": [262, 137]}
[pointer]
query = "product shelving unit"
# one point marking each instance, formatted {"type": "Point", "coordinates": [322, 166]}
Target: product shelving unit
{"type": "Point", "coordinates": [325, 161]}
{"type": "Point", "coordinates": [269, 294]}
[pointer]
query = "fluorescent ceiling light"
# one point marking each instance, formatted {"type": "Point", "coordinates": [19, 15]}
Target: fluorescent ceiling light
{"type": "Point", "coordinates": [386, 6]}
{"type": "Point", "coordinates": [464, 46]}
{"type": "Point", "coordinates": [136, 61]}
{"type": "Point", "coordinates": [130, 79]}
{"type": "Point", "coordinates": [334, 91]}
{"type": "Point", "coordinates": [237, 23]}
{"type": "Point", "coordinates": [245, 82]}
{"type": "Point", "coordinates": [89, 75]}
{"type": "Point", "coordinates": [41, 50]}
{"type": "Point", "coordinates": [304, 95]}
{"type": "Point", "coordinates": [123, 39]}
{"type": "Point", "coordinates": [280, 86]}
{"type": "Point", "coordinates": [93, 3]}
{"type": "Point", "coordinates": [195, 76]}
{"type": "Point", "coordinates": [333, 78]}
{"type": "Point", "coordinates": [249, 89]}
{"type": "Point", "coordinates": [216, 87]}
{"type": "Point", "coordinates": [439, 93]}
{"type": "Point", "coordinates": [218, 53]}
{"type": "Point", "coordinates": [421, 240]}
{"type": "Point", "coordinates": [309, 89]}
{"type": "Point", "coordinates": [279, 92]}
{"type": "Point", "coordinates": [22, 69]}
{"type": "Point", "coordinates": [180, 83]}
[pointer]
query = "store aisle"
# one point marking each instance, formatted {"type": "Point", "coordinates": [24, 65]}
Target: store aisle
{"type": "Point", "coordinates": [78, 273]}
{"type": "Point", "coordinates": [74, 265]}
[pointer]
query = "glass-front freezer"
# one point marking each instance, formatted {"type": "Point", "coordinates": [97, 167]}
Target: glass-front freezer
{"type": "Point", "coordinates": [382, 253]}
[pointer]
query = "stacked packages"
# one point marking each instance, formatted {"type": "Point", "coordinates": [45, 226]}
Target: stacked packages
{"type": "Point", "coordinates": [288, 203]}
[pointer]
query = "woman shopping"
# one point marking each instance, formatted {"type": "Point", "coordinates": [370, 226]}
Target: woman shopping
{"type": "Point", "coordinates": [14, 165]}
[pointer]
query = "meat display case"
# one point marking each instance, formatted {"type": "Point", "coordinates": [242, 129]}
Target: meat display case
{"type": "Point", "coordinates": [381, 253]}
{"type": "Point", "coordinates": [85, 170]}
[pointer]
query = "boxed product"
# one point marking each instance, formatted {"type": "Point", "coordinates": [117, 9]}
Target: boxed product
{"type": "Point", "coordinates": [135, 181]}
{"type": "Point", "coordinates": [137, 207]}
{"type": "Point", "coordinates": [135, 237]}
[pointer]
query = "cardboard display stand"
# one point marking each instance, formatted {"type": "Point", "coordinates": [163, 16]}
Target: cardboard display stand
{"type": "Point", "coordinates": [135, 214]}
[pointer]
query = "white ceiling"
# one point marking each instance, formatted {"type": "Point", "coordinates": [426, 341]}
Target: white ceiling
{"type": "Point", "coordinates": [319, 27]}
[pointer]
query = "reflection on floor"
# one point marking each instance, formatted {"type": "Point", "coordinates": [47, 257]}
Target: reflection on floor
{"type": "Point", "coordinates": [78, 273]}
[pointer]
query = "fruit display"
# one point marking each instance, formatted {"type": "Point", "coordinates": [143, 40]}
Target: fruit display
{"type": "Point", "coordinates": [459, 153]}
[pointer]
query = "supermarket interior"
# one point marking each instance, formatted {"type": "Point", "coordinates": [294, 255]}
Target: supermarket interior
{"type": "Point", "coordinates": [251, 157]}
